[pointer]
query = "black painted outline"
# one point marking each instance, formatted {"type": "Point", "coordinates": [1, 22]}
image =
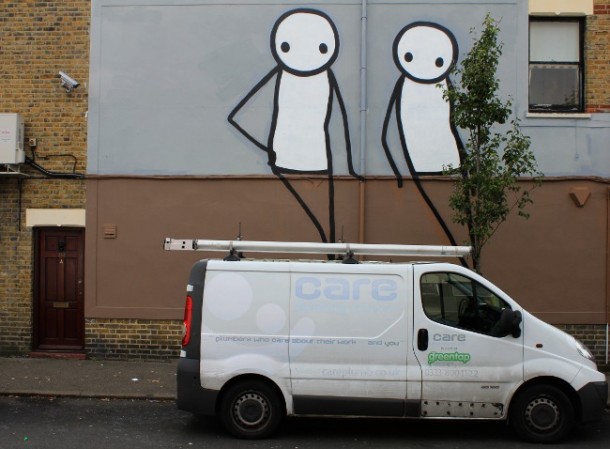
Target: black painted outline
{"type": "Point", "coordinates": [277, 57]}
{"type": "Point", "coordinates": [441, 28]}
{"type": "Point", "coordinates": [334, 92]}
{"type": "Point", "coordinates": [395, 104]}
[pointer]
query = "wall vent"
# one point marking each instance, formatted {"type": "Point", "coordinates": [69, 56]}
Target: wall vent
{"type": "Point", "coordinates": [110, 231]}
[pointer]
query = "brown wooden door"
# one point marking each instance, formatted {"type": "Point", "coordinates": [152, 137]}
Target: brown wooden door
{"type": "Point", "coordinates": [59, 289]}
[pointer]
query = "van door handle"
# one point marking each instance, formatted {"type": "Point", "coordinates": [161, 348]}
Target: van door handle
{"type": "Point", "coordinates": [422, 339]}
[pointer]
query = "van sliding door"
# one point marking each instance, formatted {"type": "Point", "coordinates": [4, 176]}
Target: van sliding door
{"type": "Point", "coordinates": [349, 340]}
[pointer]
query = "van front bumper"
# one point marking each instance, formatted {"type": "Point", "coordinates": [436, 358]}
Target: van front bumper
{"type": "Point", "coordinates": [191, 397]}
{"type": "Point", "coordinates": [593, 400]}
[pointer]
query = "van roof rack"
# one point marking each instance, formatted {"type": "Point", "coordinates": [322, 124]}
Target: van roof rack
{"type": "Point", "coordinates": [236, 246]}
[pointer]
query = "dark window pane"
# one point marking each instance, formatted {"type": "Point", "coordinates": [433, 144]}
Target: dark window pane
{"type": "Point", "coordinates": [554, 87]}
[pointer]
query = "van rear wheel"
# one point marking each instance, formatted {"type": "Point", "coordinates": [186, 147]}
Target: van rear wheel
{"type": "Point", "coordinates": [542, 414]}
{"type": "Point", "coordinates": [251, 409]}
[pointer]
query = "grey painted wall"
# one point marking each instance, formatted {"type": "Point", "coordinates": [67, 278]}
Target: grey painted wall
{"type": "Point", "coordinates": [164, 77]}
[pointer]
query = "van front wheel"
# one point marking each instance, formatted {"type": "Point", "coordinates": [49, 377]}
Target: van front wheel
{"type": "Point", "coordinates": [251, 409]}
{"type": "Point", "coordinates": [542, 414]}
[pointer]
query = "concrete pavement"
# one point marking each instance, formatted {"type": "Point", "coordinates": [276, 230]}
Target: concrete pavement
{"type": "Point", "coordinates": [88, 378]}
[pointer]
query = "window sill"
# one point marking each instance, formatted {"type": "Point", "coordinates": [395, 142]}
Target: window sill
{"type": "Point", "coordinates": [560, 115]}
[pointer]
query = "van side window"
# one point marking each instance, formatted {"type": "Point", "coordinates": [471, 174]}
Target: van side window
{"type": "Point", "coordinates": [458, 301]}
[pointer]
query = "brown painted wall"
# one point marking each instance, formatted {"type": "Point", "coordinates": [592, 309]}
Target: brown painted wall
{"type": "Point", "coordinates": [555, 264]}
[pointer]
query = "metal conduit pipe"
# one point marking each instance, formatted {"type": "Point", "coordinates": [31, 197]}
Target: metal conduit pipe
{"type": "Point", "coordinates": [363, 112]}
{"type": "Point", "coordinates": [52, 174]}
{"type": "Point", "coordinates": [607, 327]}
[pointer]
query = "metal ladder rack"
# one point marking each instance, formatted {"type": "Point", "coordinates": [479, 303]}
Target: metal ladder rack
{"type": "Point", "coordinates": [350, 249]}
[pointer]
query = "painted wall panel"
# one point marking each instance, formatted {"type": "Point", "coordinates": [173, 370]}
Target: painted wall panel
{"type": "Point", "coordinates": [164, 78]}
{"type": "Point", "coordinates": [561, 277]}
{"type": "Point", "coordinates": [571, 146]}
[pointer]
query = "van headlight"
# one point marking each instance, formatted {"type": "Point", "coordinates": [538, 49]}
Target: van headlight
{"type": "Point", "coordinates": [584, 351]}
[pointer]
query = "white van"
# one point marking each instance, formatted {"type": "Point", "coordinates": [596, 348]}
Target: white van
{"type": "Point", "coordinates": [267, 339]}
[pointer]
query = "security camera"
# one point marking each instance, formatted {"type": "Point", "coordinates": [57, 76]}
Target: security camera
{"type": "Point", "coordinates": [67, 82]}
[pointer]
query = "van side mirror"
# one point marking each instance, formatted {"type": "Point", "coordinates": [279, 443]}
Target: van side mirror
{"type": "Point", "coordinates": [516, 328]}
{"type": "Point", "coordinates": [509, 324]}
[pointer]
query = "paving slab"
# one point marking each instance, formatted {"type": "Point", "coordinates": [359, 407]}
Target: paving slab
{"type": "Point", "coordinates": [88, 378]}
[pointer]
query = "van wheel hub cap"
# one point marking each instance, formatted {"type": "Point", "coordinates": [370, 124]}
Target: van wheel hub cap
{"type": "Point", "coordinates": [251, 409]}
{"type": "Point", "coordinates": [542, 414]}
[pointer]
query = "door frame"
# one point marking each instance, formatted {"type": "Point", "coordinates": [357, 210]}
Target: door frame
{"type": "Point", "coordinates": [36, 290]}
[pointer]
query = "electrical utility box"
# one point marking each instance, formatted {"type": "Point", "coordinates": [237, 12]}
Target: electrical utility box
{"type": "Point", "coordinates": [11, 139]}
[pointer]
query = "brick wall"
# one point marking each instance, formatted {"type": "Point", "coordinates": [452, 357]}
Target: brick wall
{"type": "Point", "coordinates": [133, 339]}
{"type": "Point", "coordinates": [38, 39]}
{"type": "Point", "coordinates": [593, 336]}
{"type": "Point", "coordinates": [597, 58]}
{"type": "Point", "coordinates": [15, 304]}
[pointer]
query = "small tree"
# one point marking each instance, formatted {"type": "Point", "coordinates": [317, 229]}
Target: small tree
{"type": "Point", "coordinates": [487, 187]}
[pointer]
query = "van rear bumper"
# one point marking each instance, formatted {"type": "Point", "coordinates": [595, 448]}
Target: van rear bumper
{"type": "Point", "coordinates": [593, 399]}
{"type": "Point", "coordinates": [190, 396]}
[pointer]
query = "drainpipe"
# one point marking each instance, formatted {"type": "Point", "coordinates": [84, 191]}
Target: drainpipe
{"type": "Point", "coordinates": [607, 327]}
{"type": "Point", "coordinates": [607, 268]}
{"type": "Point", "coordinates": [363, 112]}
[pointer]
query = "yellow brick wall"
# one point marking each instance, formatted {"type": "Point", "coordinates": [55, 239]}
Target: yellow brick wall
{"type": "Point", "coordinates": [597, 58]}
{"type": "Point", "coordinates": [133, 339]}
{"type": "Point", "coordinates": [37, 40]}
{"type": "Point", "coordinates": [594, 337]}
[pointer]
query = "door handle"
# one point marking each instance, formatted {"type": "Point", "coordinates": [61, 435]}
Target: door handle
{"type": "Point", "coordinates": [422, 339]}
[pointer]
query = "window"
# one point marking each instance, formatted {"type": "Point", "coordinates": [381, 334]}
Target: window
{"type": "Point", "coordinates": [458, 301]}
{"type": "Point", "coordinates": [556, 65]}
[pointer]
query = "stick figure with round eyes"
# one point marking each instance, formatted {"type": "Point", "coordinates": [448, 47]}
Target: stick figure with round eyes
{"type": "Point", "coordinates": [304, 43]}
{"type": "Point", "coordinates": [424, 53]}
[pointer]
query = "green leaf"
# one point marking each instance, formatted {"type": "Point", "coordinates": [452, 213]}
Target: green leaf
{"type": "Point", "coordinates": [496, 155]}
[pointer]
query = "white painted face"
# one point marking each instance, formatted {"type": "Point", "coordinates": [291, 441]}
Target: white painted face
{"type": "Point", "coordinates": [304, 42]}
{"type": "Point", "coordinates": [425, 52]}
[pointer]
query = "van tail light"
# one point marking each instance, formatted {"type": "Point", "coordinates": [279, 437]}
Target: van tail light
{"type": "Point", "coordinates": [188, 321]}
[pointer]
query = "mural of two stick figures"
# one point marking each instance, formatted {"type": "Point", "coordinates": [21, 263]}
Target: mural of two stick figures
{"type": "Point", "coordinates": [305, 44]}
